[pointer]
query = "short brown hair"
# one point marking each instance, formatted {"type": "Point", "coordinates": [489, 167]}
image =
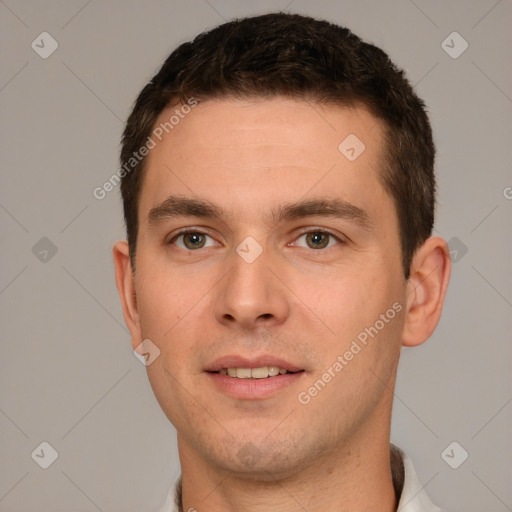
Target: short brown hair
{"type": "Point", "coordinates": [296, 56]}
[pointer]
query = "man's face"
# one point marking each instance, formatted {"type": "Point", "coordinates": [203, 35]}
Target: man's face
{"type": "Point", "coordinates": [210, 300]}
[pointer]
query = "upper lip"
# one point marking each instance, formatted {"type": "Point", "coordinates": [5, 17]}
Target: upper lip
{"type": "Point", "coordinates": [253, 362]}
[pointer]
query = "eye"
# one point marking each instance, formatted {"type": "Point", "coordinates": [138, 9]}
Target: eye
{"type": "Point", "coordinates": [192, 240]}
{"type": "Point", "coordinates": [318, 239]}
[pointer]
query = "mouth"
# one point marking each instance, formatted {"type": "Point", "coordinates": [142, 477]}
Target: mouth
{"type": "Point", "coordinates": [263, 372]}
{"type": "Point", "coordinates": [251, 379]}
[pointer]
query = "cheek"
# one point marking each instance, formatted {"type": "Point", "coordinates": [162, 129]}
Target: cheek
{"type": "Point", "coordinates": [347, 302]}
{"type": "Point", "coordinates": [175, 312]}
{"type": "Point", "coordinates": [169, 312]}
{"type": "Point", "coordinates": [164, 299]}
{"type": "Point", "coordinates": [357, 367]}
{"type": "Point", "coordinates": [364, 315]}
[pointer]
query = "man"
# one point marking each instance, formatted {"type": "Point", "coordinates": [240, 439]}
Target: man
{"type": "Point", "coordinates": [278, 194]}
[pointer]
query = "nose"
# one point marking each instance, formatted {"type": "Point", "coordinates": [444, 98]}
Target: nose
{"type": "Point", "coordinates": [251, 295]}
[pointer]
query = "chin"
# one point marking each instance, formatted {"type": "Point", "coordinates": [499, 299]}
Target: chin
{"type": "Point", "coordinates": [265, 461]}
{"type": "Point", "coordinates": [266, 469]}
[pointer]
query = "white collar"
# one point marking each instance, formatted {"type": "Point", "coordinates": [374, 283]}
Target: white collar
{"type": "Point", "coordinates": [413, 497]}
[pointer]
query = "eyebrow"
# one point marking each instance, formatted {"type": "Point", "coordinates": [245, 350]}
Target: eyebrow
{"type": "Point", "coordinates": [176, 206]}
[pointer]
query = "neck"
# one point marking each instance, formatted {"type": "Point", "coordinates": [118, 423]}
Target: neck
{"type": "Point", "coordinates": [355, 477]}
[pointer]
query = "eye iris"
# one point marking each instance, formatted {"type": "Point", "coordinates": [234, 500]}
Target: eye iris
{"type": "Point", "coordinates": [317, 239]}
{"type": "Point", "coordinates": [193, 240]}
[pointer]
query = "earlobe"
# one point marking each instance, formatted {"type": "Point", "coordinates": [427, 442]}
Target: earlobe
{"type": "Point", "coordinates": [426, 290]}
{"type": "Point", "coordinates": [126, 289]}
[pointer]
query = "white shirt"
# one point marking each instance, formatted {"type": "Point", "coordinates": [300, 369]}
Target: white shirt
{"type": "Point", "coordinates": [412, 499]}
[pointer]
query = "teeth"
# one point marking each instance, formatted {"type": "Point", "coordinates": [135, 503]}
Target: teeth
{"type": "Point", "coordinates": [259, 373]}
{"type": "Point", "coordinates": [243, 373]}
{"type": "Point", "coordinates": [253, 373]}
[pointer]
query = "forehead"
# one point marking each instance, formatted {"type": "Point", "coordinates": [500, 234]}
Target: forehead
{"type": "Point", "coordinates": [260, 151]}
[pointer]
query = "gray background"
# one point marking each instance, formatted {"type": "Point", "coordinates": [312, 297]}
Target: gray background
{"type": "Point", "coordinates": [68, 375]}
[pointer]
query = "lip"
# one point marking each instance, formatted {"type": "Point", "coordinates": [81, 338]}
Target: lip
{"type": "Point", "coordinates": [234, 361]}
{"type": "Point", "coordinates": [253, 389]}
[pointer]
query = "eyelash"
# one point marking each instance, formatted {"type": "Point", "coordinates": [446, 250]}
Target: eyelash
{"type": "Point", "coordinates": [323, 231]}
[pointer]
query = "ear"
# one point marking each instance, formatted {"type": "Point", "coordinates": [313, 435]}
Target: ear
{"type": "Point", "coordinates": [126, 288]}
{"type": "Point", "coordinates": [426, 290]}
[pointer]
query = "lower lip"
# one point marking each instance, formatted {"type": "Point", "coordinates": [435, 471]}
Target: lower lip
{"type": "Point", "coordinates": [253, 389]}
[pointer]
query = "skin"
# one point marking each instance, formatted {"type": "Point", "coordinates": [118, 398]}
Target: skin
{"type": "Point", "coordinates": [296, 301]}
